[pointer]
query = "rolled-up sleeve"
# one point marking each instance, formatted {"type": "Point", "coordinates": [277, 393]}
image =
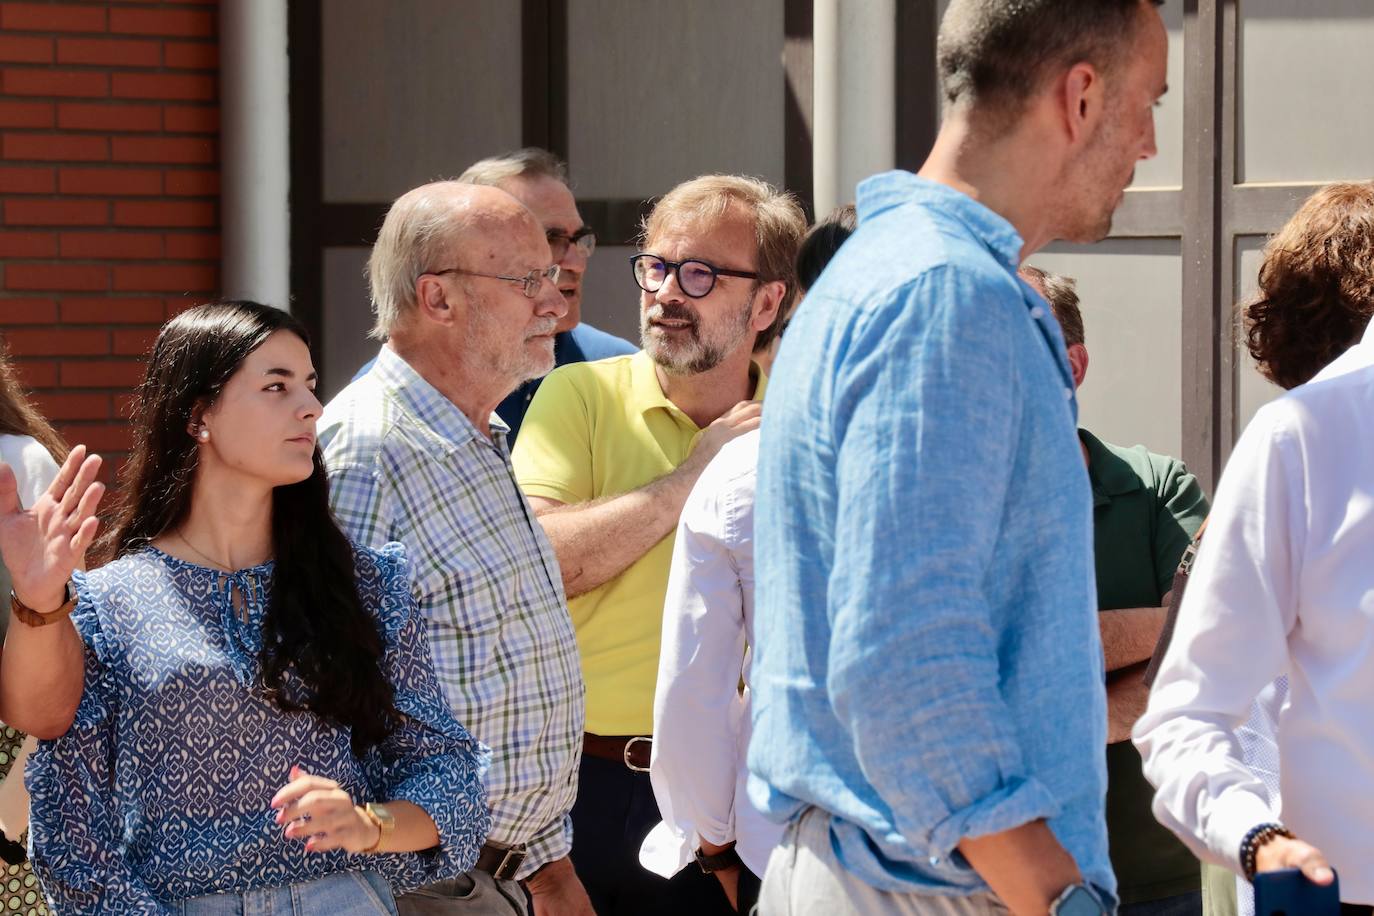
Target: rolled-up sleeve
{"type": "Point", "coordinates": [1231, 641]}
{"type": "Point", "coordinates": [913, 673]}
{"type": "Point", "coordinates": [550, 844]}
{"type": "Point", "coordinates": [429, 760]}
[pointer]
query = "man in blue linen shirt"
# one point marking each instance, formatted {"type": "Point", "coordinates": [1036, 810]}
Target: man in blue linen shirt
{"type": "Point", "coordinates": [930, 711]}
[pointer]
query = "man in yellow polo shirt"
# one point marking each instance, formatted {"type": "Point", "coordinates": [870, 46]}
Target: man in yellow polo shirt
{"type": "Point", "coordinates": [607, 456]}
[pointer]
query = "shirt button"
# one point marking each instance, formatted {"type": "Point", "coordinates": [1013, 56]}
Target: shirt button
{"type": "Point", "coordinates": [1068, 394]}
{"type": "Point", "coordinates": [1037, 313]}
{"type": "Point", "coordinates": [934, 861]}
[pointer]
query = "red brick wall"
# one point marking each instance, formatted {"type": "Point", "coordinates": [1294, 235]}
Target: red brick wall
{"type": "Point", "coordinates": [109, 179]}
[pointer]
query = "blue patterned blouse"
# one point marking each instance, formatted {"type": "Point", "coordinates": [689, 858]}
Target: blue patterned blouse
{"type": "Point", "coordinates": [160, 790]}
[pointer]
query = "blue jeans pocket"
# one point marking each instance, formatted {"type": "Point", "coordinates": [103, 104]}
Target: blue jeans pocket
{"type": "Point", "coordinates": [376, 890]}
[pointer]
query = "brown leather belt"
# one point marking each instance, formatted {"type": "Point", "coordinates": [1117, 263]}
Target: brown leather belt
{"type": "Point", "coordinates": [631, 750]}
{"type": "Point", "coordinates": [501, 862]}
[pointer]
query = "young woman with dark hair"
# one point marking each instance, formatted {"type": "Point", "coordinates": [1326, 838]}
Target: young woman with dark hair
{"type": "Point", "coordinates": [256, 686]}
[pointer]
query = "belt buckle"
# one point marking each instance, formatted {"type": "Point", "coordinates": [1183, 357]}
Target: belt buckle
{"type": "Point", "coordinates": [510, 864]}
{"type": "Point", "coordinates": [626, 753]}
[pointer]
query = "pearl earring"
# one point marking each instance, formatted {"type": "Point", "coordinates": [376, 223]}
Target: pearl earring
{"type": "Point", "coordinates": [203, 435]}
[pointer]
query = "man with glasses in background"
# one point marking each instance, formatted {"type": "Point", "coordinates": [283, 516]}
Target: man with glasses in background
{"type": "Point", "coordinates": [539, 180]}
{"type": "Point", "coordinates": [609, 453]}
{"type": "Point", "coordinates": [466, 299]}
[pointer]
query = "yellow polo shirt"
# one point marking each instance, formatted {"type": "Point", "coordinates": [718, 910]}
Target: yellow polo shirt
{"type": "Point", "coordinates": [594, 430]}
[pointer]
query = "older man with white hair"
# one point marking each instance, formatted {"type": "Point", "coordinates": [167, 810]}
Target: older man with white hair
{"type": "Point", "coordinates": [465, 292]}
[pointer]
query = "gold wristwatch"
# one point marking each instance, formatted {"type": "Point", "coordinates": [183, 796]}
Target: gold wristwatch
{"type": "Point", "coordinates": [386, 825]}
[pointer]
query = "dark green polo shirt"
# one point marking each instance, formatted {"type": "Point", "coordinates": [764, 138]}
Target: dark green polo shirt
{"type": "Point", "coordinates": [1146, 508]}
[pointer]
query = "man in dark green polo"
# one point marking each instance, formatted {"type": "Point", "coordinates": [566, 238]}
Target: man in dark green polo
{"type": "Point", "coordinates": [1146, 508]}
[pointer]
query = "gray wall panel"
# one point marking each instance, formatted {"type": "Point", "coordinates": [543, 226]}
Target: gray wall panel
{"type": "Point", "coordinates": [1131, 294]}
{"type": "Point", "coordinates": [1166, 169]}
{"type": "Point", "coordinates": [1305, 76]}
{"type": "Point", "coordinates": [415, 90]}
{"type": "Point", "coordinates": [663, 90]}
{"type": "Point", "coordinates": [610, 299]}
{"type": "Point", "coordinates": [1253, 390]}
{"type": "Point", "coordinates": [346, 344]}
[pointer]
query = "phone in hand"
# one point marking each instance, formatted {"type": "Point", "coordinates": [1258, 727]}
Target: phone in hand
{"type": "Point", "coordinates": [1288, 892]}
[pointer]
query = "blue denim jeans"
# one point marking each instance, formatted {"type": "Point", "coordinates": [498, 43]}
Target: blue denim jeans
{"type": "Point", "coordinates": [348, 893]}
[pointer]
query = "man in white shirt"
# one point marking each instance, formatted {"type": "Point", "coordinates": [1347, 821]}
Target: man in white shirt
{"type": "Point", "coordinates": [1282, 584]}
{"type": "Point", "coordinates": [701, 715]}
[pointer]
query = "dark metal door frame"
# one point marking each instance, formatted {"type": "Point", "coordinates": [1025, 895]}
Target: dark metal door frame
{"type": "Point", "coordinates": [317, 224]}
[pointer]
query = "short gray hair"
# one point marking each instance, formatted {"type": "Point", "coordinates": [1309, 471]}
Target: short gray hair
{"type": "Point", "coordinates": [530, 162]}
{"type": "Point", "coordinates": [417, 231]}
{"type": "Point", "coordinates": [1061, 293]}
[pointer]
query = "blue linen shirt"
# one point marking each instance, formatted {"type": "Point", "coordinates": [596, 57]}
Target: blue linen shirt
{"type": "Point", "coordinates": [929, 666]}
{"type": "Point", "coordinates": [582, 344]}
{"type": "Point", "coordinates": [160, 790]}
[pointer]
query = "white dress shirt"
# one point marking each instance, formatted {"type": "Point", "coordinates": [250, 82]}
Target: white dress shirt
{"type": "Point", "coordinates": [701, 718]}
{"type": "Point", "coordinates": [1284, 584]}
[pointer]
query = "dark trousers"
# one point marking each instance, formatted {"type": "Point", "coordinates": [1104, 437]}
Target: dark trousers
{"type": "Point", "coordinates": [1189, 904]}
{"type": "Point", "coordinates": [614, 811]}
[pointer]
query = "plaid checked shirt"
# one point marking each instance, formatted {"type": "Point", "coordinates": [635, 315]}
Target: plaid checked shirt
{"type": "Point", "coordinates": [406, 465]}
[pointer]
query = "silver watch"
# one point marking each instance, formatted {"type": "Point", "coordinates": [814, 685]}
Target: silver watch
{"type": "Point", "coordinates": [1078, 900]}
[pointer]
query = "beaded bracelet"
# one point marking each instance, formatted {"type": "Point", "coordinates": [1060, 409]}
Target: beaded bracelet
{"type": "Point", "coordinates": [1257, 837]}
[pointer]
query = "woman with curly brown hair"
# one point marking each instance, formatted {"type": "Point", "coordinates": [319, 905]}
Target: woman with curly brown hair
{"type": "Point", "coordinates": [1282, 584]}
{"type": "Point", "coordinates": [1316, 285]}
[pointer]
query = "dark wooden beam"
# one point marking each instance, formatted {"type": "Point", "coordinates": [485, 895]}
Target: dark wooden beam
{"type": "Point", "coordinates": [1201, 242]}
{"type": "Point", "coordinates": [1260, 209]}
{"type": "Point", "coordinates": [1149, 213]}
{"type": "Point", "coordinates": [534, 72]}
{"type": "Point", "coordinates": [1224, 153]}
{"type": "Point", "coordinates": [306, 110]}
{"type": "Point", "coordinates": [616, 221]}
{"type": "Point", "coordinates": [918, 110]}
{"type": "Point", "coordinates": [544, 74]}
{"type": "Point", "coordinates": [346, 225]}
{"type": "Point", "coordinates": [798, 68]}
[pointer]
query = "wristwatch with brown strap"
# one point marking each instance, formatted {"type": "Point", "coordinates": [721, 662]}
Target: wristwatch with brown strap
{"type": "Point", "coordinates": [31, 618]}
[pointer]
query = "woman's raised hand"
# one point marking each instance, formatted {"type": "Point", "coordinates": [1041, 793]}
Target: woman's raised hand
{"type": "Point", "coordinates": [41, 545]}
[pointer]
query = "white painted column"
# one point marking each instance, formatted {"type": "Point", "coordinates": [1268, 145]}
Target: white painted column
{"type": "Point", "coordinates": [825, 101]}
{"type": "Point", "coordinates": [255, 152]}
{"type": "Point", "coordinates": [855, 96]}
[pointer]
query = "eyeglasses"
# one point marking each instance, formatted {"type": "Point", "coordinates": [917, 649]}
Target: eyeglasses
{"type": "Point", "coordinates": [531, 280]}
{"type": "Point", "coordinates": [584, 239]}
{"type": "Point", "coordinates": [695, 278]}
